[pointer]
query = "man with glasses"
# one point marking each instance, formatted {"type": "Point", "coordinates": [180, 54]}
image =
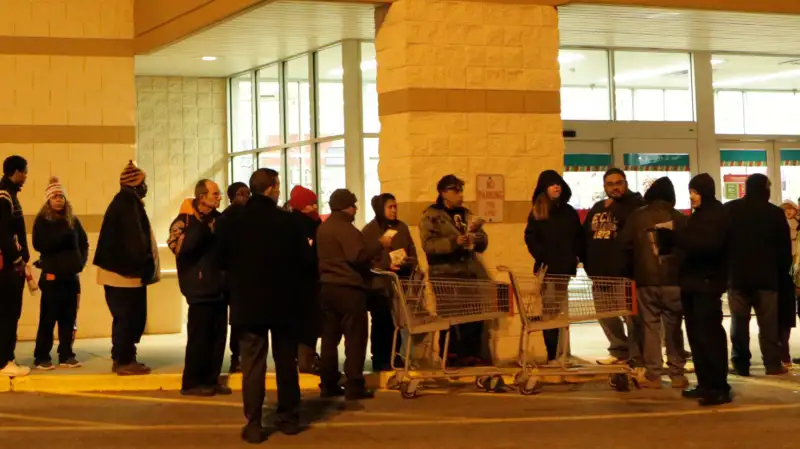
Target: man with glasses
{"type": "Point", "coordinates": [605, 257]}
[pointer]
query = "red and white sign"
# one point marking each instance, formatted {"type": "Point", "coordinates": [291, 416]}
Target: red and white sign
{"type": "Point", "coordinates": [491, 194]}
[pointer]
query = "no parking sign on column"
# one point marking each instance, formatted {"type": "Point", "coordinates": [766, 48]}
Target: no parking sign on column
{"type": "Point", "coordinates": [491, 194]}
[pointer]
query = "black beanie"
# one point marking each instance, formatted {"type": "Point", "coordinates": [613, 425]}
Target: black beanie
{"type": "Point", "coordinates": [342, 199]}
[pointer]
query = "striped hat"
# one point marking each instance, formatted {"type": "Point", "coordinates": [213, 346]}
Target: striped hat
{"type": "Point", "coordinates": [54, 188]}
{"type": "Point", "coordinates": [132, 176]}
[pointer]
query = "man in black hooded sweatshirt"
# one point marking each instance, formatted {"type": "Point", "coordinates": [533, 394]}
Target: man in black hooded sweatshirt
{"type": "Point", "coordinates": [605, 257]}
{"type": "Point", "coordinates": [655, 260]}
{"type": "Point", "coordinates": [759, 253]}
{"type": "Point", "coordinates": [703, 279]}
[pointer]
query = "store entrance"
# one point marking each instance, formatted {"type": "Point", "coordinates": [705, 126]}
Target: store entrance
{"type": "Point", "coordinates": [778, 160]}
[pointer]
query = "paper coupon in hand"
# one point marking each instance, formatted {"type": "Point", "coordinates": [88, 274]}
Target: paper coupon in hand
{"type": "Point", "coordinates": [398, 256]}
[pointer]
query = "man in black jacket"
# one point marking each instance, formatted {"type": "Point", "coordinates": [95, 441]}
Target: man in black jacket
{"type": "Point", "coordinates": [238, 195]}
{"type": "Point", "coordinates": [760, 253]}
{"type": "Point", "coordinates": [127, 262]}
{"type": "Point", "coordinates": [605, 257]}
{"type": "Point", "coordinates": [194, 244]}
{"type": "Point", "coordinates": [345, 258]}
{"type": "Point", "coordinates": [263, 251]}
{"type": "Point", "coordinates": [648, 236]}
{"type": "Point", "coordinates": [703, 280]}
{"type": "Point", "coordinates": [14, 257]}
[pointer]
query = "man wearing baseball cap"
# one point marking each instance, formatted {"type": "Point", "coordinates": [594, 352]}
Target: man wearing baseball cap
{"type": "Point", "coordinates": [344, 266]}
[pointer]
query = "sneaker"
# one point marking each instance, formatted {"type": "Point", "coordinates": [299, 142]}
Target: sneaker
{"type": "Point", "coordinates": [679, 382]}
{"type": "Point", "coordinates": [198, 391]}
{"type": "Point", "coordinates": [693, 393]}
{"type": "Point", "coordinates": [652, 384]}
{"type": "Point", "coordinates": [70, 363]}
{"type": "Point", "coordinates": [716, 398]}
{"type": "Point", "coordinates": [132, 369]}
{"type": "Point", "coordinates": [357, 395]}
{"type": "Point", "coordinates": [44, 366]}
{"type": "Point", "coordinates": [740, 371]}
{"type": "Point", "coordinates": [777, 371]}
{"type": "Point", "coordinates": [222, 390]}
{"type": "Point", "coordinates": [331, 392]}
{"type": "Point", "coordinates": [254, 434]}
{"type": "Point", "coordinates": [788, 365]}
{"type": "Point", "coordinates": [13, 370]}
{"type": "Point", "coordinates": [611, 360]}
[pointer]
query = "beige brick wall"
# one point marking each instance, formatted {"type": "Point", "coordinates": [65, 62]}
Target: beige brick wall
{"type": "Point", "coordinates": [470, 45]}
{"type": "Point", "coordinates": [181, 138]}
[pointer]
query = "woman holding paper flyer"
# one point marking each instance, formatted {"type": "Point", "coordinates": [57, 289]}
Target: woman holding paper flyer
{"type": "Point", "coordinates": [451, 238]}
{"type": "Point", "coordinates": [400, 258]}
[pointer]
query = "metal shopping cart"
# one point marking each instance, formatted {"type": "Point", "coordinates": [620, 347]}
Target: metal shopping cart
{"type": "Point", "coordinates": [425, 306]}
{"type": "Point", "coordinates": [556, 301]}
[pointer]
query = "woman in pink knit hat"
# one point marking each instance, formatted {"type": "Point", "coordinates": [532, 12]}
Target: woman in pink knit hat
{"type": "Point", "coordinates": [59, 238]}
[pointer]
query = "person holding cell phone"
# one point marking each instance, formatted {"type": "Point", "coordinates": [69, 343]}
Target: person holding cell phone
{"type": "Point", "coordinates": [451, 239]}
{"type": "Point", "coordinates": [400, 258]}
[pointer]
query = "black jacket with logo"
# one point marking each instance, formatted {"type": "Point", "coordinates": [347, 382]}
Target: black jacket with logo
{"type": "Point", "coordinates": [13, 235]}
{"type": "Point", "coordinates": [602, 228]}
{"type": "Point", "coordinates": [195, 247]}
{"type": "Point", "coordinates": [656, 258]}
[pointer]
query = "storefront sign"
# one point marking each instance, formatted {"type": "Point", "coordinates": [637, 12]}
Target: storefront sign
{"type": "Point", "coordinates": [491, 194]}
{"type": "Point", "coordinates": [734, 186]}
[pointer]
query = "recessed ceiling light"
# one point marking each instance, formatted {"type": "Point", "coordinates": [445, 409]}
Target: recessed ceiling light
{"type": "Point", "coordinates": [209, 58]}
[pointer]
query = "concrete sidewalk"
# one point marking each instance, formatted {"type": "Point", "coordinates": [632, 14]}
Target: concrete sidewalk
{"type": "Point", "coordinates": [164, 354]}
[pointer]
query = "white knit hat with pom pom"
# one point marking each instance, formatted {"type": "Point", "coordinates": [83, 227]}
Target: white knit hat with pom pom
{"type": "Point", "coordinates": [54, 188]}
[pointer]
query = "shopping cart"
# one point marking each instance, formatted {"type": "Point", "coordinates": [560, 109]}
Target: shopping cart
{"type": "Point", "coordinates": [423, 306]}
{"type": "Point", "coordinates": [556, 301]}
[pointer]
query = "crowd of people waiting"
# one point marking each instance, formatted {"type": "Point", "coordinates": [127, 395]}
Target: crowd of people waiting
{"type": "Point", "coordinates": [285, 272]}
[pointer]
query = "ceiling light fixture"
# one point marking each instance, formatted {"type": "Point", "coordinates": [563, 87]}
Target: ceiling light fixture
{"type": "Point", "coordinates": [569, 58]}
{"type": "Point", "coordinates": [209, 58]}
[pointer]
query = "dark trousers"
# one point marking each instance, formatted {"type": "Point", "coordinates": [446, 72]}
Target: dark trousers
{"type": "Point", "coordinates": [765, 304]}
{"type": "Point", "coordinates": [344, 313]}
{"type": "Point", "coordinates": [254, 343]}
{"type": "Point", "coordinates": [206, 330]}
{"type": "Point", "coordinates": [128, 308]}
{"type": "Point", "coordinates": [11, 286]}
{"type": "Point", "coordinates": [59, 305]}
{"type": "Point", "coordinates": [381, 331]}
{"type": "Point", "coordinates": [466, 340]}
{"type": "Point", "coordinates": [785, 334]}
{"type": "Point", "coordinates": [707, 339]}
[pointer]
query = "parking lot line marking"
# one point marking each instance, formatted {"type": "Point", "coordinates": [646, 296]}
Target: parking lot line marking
{"type": "Point", "coordinates": [423, 422]}
{"type": "Point", "coordinates": [41, 419]}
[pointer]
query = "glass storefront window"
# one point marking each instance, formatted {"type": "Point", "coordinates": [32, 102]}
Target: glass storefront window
{"type": "Point", "coordinates": [242, 113]}
{"type": "Point", "coordinates": [584, 174]}
{"type": "Point", "coordinates": [756, 94]}
{"type": "Point", "coordinates": [332, 172]}
{"type": "Point", "coordinates": [269, 107]}
{"type": "Point", "coordinates": [652, 86]}
{"type": "Point", "coordinates": [242, 167]}
{"type": "Point", "coordinates": [584, 84]}
{"type": "Point", "coordinates": [372, 183]}
{"type": "Point", "coordinates": [790, 175]}
{"type": "Point", "coordinates": [298, 103]}
{"type": "Point", "coordinates": [642, 169]}
{"type": "Point", "coordinates": [735, 166]}
{"type": "Point", "coordinates": [369, 89]}
{"type": "Point", "coordinates": [330, 92]}
{"type": "Point", "coordinates": [271, 159]}
{"type": "Point", "coordinates": [299, 167]}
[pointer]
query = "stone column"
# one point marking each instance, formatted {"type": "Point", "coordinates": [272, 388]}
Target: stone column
{"type": "Point", "coordinates": [67, 105]}
{"type": "Point", "coordinates": [469, 88]}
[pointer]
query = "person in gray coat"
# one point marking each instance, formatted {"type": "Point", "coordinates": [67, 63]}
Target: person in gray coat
{"type": "Point", "coordinates": [649, 240]}
{"type": "Point", "coordinates": [452, 240]}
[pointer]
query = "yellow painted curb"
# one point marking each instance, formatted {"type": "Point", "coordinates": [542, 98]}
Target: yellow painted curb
{"type": "Point", "coordinates": [5, 384]}
{"type": "Point", "coordinates": [44, 383]}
